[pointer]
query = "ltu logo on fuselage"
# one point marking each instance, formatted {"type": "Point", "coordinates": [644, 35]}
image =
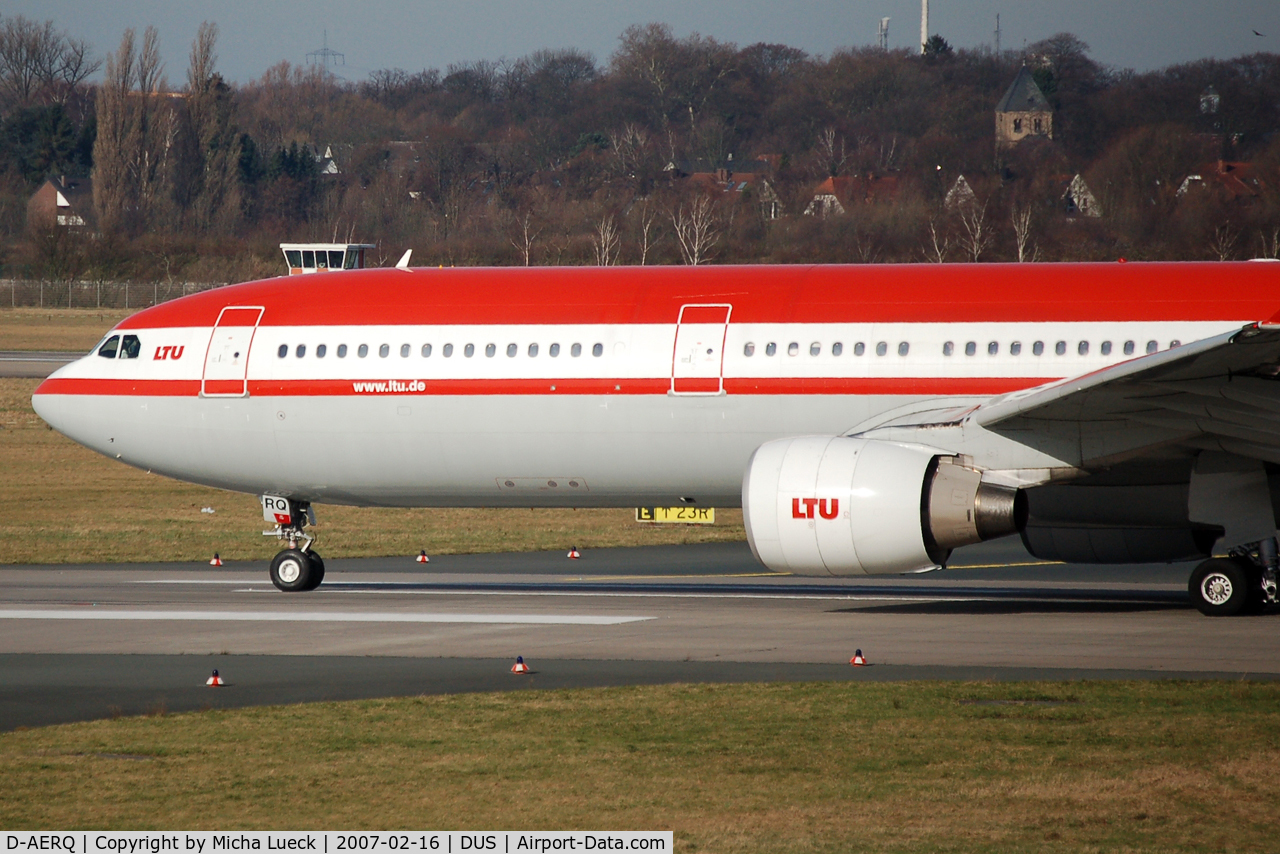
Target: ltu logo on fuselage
{"type": "Point", "coordinates": [828, 508]}
{"type": "Point", "coordinates": [169, 353]}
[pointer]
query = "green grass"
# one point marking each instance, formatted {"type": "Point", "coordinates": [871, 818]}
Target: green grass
{"type": "Point", "coordinates": [62, 503]}
{"type": "Point", "coordinates": [1147, 766]}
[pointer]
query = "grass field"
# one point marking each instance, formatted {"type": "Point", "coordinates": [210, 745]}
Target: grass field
{"type": "Point", "coordinates": [1101, 766]}
{"type": "Point", "coordinates": [60, 503]}
{"type": "Point", "coordinates": [70, 329]}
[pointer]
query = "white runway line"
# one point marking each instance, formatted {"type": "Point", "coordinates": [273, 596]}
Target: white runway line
{"type": "Point", "coordinates": [319, 617]}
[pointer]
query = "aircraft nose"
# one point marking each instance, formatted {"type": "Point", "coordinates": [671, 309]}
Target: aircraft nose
{"type": "Point", "coordinates": [55, 400]}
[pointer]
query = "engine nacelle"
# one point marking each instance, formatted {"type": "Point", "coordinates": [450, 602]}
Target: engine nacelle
{"type": "Point", "coordinates": [818, 505]}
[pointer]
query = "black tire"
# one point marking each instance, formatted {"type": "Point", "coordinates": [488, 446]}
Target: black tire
{"type": "Point", "coordinates": [1219, 587]}
{"type": "Point", "coordinates": [317, 570]}
{"type": "Point", "coordinates": [291, 571]}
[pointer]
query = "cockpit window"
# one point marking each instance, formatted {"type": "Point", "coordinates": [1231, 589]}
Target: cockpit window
{"type": "Point", "coordinates": [130, 347]}
{"type": "Point", "coordinates": [109, 347]}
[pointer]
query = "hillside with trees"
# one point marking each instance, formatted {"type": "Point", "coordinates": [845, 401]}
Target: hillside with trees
{"type": "Point", "coordinates": [672, 150]}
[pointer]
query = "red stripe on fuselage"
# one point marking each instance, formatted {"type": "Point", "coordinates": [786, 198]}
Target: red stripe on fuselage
{"type": "Point", "coordinates": [944, 386]}
{"type": "Point", "coordinates": [881, 293]}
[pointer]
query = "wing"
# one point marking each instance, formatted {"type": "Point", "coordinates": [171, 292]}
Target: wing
{"type": "Point", "coordinates": [1220, 393]}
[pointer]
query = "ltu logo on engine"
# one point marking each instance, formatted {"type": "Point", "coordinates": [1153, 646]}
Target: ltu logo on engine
{"type": "Point", "coordinates": [828, 508]}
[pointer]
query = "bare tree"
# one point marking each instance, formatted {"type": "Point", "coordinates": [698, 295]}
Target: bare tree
{"type": "Point", "coordinates": [649, 234]}
{"type": "Point", "coordinates": [831, 152]}
{"type": "Point", "coordinates": [976, 236]}
{"type": "Point", "coordinates": [605, 241]}
{"type": "Point", "coordinates": [1270, 246]}
{"type": "Point", "coordinates": [1223, 242]}
{"type": "Point", "coordinates": [211, 151]}
{"type": "Point", "coordinates": [1021, 218]}
{"type": "Point", "coordinates": [38, 63]}
{"type": "Point", "coordinates": [695, 230]}
{"type": "Point", "coordinates": [525, 235]}
{"type": "Point", "coordinates": [939, 244]}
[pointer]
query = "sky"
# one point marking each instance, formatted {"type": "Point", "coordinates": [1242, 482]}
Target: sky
{"type": "Point", "coordinates": [416, 34]}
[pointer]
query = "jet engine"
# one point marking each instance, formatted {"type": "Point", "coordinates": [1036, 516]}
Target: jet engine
{"type": "Point", "coordinates": [817, 505]}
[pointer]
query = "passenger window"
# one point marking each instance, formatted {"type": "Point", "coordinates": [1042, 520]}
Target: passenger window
{"type": "Point", "coordinates": [882, 348]}
{"type": "Point", "coordinates": [1083, 348]}
{"type": "Point", "coordinates": [597, 349]}
{"type": "Point", "coordinates": [1037, 349]}
{"type": "Point", "coordinates": [282, 351]}
{"type": "Point", "coordinates": [553, 350]}
{"type": "Point", "coordinates": [970, 348]}
{"type": "Point", "coordinates": [384, 351]}
{"type": "Point", "coordinates": [1152, 346]}
{"type": "Point", "coordinates": [469, 350]}
{"type": "Point", "coordinates": [362, 350]}
{"type": "Point", "coordinates": [793, 349]}
{"type": "Point", "coordinates": [1015, 348]}
{"type": "Point", "coordinates": [1060, 348]}
{"type": "Point", "coordinates": [426, 351]}
{"type": "Point", "coordinates": [404, 351]}
{"type": "Point", "coordinates": [815, 349]}
{"type": "Point", "coordinates": [770, 348]}
{"type": "Point", "coordinates": [321, 349]}
{"type": "Point", "coordinates": [1128, 348]}
{"type": "Point", "coordinates": [490, 350]}
{"type": "Point", "coordinates": [993, 348]}
{"type": "Point", "coordinates": [1174, 343]}
{"type": "Point", "coordinates": [300, 351]}
{"type": "Point", "coordinates": [448, 350]}
{"type": "Point", "coordinates": [342, 351]}
{"type": "Point", "coordinates": [1106, 348]}
{"type": "Point", "coordinates": [837, 348]}
{"type": "Point", "coordinates": [512, 349]}
{"type": "Point", "coordinates": [108, 348]}
{"type": "Point", "coordinates": [533, 350]}
{"type": "Point", "coordinates": [575, 351]}
{"type": "Point", "coordinates": [859, 348]}
{"type": "Point", "coordinates": [948, 348]}
{"type": "Point", "coordinates": [130, 346]}
{"type": "Point", "coordinates": [904, 348]}
{"type": "Point", "coordinates": [748, 349]}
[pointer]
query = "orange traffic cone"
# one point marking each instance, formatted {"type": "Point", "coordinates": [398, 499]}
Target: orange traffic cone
{"type": "Point", "coordinates": [422, 557]}
{"type": "Point", "coordinates": [574, 554]}
{"type": "Point", "coordinates": [217, 561]}
{"type": "Point", "coordinates": [858, 660]}
{"type": "Point", "coordinates": [215, 681]}
{"type": "Point", "coordinates": [520, 666]}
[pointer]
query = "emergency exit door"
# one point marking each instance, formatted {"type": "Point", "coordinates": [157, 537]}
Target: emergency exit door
{"type": "Point", "coordinates": [226, 363]}
{"type": "Point", "coordinates": [697, 363]}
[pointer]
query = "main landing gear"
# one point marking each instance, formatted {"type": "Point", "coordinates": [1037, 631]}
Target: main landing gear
{"type": "Point", "coordinates": [298, 568]}
{"type": "Point", "coordinates": [1242, 583]}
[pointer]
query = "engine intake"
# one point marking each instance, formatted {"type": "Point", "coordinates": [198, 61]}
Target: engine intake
{"type": "Point", "coordinates": [819, 505]}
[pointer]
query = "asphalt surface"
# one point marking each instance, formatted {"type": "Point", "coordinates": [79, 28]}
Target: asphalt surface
{"type": "Point", "coordinates": [33, 364]}
{"type": "Point", "coordinates": [87, 641]}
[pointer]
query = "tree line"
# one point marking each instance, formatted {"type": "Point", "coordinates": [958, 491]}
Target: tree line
{"type": "Point", "coordinates": [557, 158]}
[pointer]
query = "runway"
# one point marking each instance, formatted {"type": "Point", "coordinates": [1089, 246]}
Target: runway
{"type": "Point", "coordinates": [33, 364]}
{"type": "Point", "coordinates": [85, 641]}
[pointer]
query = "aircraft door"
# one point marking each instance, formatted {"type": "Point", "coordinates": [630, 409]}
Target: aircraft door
{"type": "Point", "coordinates": [697, 364]}
{"type": "Point", "coordinates": [226, 363]}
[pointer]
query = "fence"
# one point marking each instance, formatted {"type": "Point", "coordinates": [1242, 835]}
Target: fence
{"type": "Point", "coordinates": [126, 295]}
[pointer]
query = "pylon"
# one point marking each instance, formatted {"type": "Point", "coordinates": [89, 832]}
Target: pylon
{"type": "Point", "coordinates": [422, 557]}
{"type": "Point", "coordinates": [217, 561]}
{"type": "Point", "coordinates": [520, 666]}
{"type": "Point", "coordinates": [574, 554]}
{"type": "Point", "coordinates": [215, 681]}
{"type": "Point", "coordinates": [858, 660]}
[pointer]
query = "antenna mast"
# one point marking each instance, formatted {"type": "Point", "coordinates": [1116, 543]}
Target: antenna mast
{"type": "Point", "coordinates": [997, 35]}
{"type": "Point", "coordinates": [924, 24]}
{"type": "Point", "coordinates": [883, 34]}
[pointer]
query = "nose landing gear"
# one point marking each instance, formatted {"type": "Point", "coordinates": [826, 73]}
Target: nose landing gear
{"type": "Point", "coordinates": [298, 568]}
{"type": "Point", "coordinates": [1243, 583]}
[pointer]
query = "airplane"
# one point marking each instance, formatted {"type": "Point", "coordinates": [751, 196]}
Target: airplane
{"type": "Point", "coordinates": [868, 419]}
